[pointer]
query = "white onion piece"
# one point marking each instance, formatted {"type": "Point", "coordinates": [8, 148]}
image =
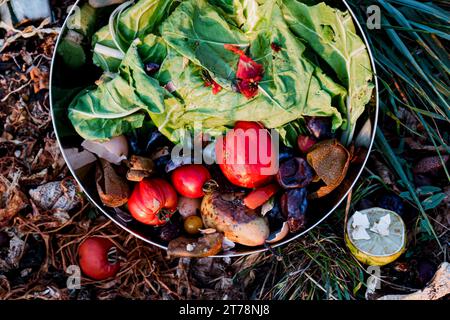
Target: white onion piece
{"type": "Point", "coordinates": [114, 151]}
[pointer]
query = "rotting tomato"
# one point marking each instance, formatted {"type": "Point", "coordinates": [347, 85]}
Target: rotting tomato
{"type": "Point", "coordinates": [246, 156]}
{"type": "Point", "coordinates": [97, 258]}
{"type": "Point", "coordinates": [249, 73]}
{"type": "Point", "coordinates": [153, 201]}
{"type": "Point", "coordinates": [189, 179]}
{"type": "Point", "coordinates": [216, 88]}
{"type": "Point", "coordinates": [259, 196]}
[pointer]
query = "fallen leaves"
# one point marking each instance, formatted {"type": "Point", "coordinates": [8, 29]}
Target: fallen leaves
{"type": "Point", "coordinates": [26, 33]}
{"type": "Point", "coordinates": [12, 200]}
{"type": "Point", "coordinates": [62, 195]}
{"type": "Point", "coordinates": [39, 78]}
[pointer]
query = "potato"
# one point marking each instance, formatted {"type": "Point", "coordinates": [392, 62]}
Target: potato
{"type": "Point", "coordinates": [226, 213]}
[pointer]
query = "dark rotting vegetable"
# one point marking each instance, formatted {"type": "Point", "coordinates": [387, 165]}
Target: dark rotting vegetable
{"type": "Point", "coordinates": [275, 215]}
{"type": "Point", "coordinates": [152, 68]}
{"type": "Point", "coordinates": [295, 173]}
{"type": "Point", "coordinates": [319, 127]}
{"type": "Point", "coordinates": [285, 153]}
{"type": "Point", "coordinates": [170, 230]}
{"type": "Point", "coordinates": [293, 205]}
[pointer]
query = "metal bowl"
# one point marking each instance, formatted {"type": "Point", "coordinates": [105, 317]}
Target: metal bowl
{"type": "Point", "coordinates": [65, 81]}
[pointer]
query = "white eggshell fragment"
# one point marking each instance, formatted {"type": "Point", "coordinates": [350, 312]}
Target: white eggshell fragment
{"type": "Point", "coordinates": [279, 235]}
{"type": "Point", "coordinates": [114, 150]}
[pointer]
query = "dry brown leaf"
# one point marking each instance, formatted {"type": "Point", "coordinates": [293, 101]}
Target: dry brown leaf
{"type": "Point", "coordinates": [40, 79]}
{"type": "Point", "coordinates": [64, 195]}
{"type": "Point", "coordinates": [12, 200]}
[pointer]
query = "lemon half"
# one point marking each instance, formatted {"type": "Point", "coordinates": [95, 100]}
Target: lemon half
{"type": "Point", "coordinates": [375, 245]}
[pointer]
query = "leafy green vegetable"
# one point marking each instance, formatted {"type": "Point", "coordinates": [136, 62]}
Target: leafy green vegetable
{"type": "Point", "coordinates": [119, 104]}
{"type": "Point", "coordinates": [142, 18]}
{"type": "Point", "coordinates": [198, 32]}
{"type": "Point", "coordinates": [189, 47]}
{"type": "Point", "coordinates": [83, 20]}
{"type": "Point", "coordinates": [110, 57]}
{"type": "Point", "coordinates": [137, 21]}
{"type": "Point", "coordinates": [243, 13]}
{"type": "Point", "coordinates": [332, 35]}
{"type": "Point", "coordinates": [291, 81]}
{"type": "Point", "coordinates": [81, 26]}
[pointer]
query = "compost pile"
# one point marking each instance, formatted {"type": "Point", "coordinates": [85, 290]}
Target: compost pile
{"type": "Point", "coordinates": [44, 217]}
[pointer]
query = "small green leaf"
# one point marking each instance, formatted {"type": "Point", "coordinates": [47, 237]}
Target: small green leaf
{"type": "Point", "coordinates": [427, 190]}
{"type": "Point", "coordinates": [433, 201]}
{"type": "Point", "coordinates": [406, 195]}
{"type": "Point", "coordinates": [425, 227]}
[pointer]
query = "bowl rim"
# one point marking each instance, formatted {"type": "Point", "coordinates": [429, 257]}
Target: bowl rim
{"type": "Point", "coordinates": [345, 194]}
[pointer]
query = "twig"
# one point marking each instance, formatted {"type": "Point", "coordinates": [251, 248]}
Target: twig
{"type": "Point", "coordinates": [15, 91]}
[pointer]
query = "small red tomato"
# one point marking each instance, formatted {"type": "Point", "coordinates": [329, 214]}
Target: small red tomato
{"type": "Point", "coordinates": [93, 258]}
{"type": "Point", "coordinates": [246, 156]}
{"type": "Point", "coordinates": [188, 180]}
{"type": "Point", "coordinates": [153, 201]}
{"type": "Point", "coordinates": [259, 196]}
{"type": "Point", "coordinates": [305, 143]}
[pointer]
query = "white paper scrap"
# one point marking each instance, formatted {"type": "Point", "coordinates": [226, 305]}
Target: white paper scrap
{"type": "Point", "coordinates": [360, 220]}
{"type": "Point", "coordinates": [382, 226]}
{"type": "Point", "coordinates": [360, 233]}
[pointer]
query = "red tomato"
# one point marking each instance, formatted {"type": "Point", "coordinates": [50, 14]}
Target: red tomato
{"type": "Point", "coordinates": [259, 196]}
{"type": "Point", "coordinates": [93, 258]}
{"type": "Point", "coordinates": [188, 180]}
{"type": "Point", "coordinates": [153, 201]}
{"type": "Point", "coordinates": [245, 155]}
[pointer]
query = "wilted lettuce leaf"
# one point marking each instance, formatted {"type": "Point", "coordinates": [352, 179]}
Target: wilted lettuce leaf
{"type": "Point", "coordinates": [292, 86]}
{"type": "Point", "coordinates": [242, 13]}
{"type": "Point", "coordinates": [291, 81]}
{"type": "Point", "coordinates": [137, 21]}
{"type": "Point", "coordinates": [190, 46]}
{"type": "Point", "coordinates": [152, 49]}
{"type": "Point", "coordinates": [117, 105]}
{"type": "Point", "coordinates": [142, 18]}
{"type": "Point", "coordinates": [332, 35]}
{"type": "Point", "coordinates": [198, 32]}
{"type": "Point", "coordinates": [106, 61]}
